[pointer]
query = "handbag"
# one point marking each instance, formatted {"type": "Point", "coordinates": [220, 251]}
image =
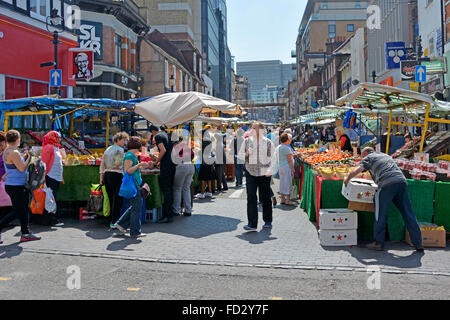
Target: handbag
{"type": "Point", "coordinates": [5, 200]}
{"type": "Point", "coordinates": [50, 202]}
{"type": "Point", "coordinates": [145, 191]}
{"type": "Point", "coordinates": [128, 187]}
{"type": "Point", "coordinates": [95, 202]}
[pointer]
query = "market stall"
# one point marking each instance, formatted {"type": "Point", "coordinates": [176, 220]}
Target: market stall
{"type": "Point", "coordinates": [322, 179]}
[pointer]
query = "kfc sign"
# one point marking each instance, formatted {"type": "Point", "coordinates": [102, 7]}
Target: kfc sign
{"type": "Point", "coordinates": [90, 36]}
{"type": "Point", "coordinates": [83, 64]}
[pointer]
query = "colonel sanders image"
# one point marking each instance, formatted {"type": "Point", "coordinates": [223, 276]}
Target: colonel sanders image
{"type": "Point", "coordinates": [82, 62]}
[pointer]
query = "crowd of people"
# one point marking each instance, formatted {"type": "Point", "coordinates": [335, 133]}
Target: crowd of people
{"type": "Point", "coordinates": [256, 152]}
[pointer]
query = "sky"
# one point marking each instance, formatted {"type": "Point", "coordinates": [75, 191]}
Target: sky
{"type": "Point", "coordinates": [263, 29]}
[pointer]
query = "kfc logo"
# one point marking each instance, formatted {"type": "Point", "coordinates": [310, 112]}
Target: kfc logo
{"type": "Point", "coordinates": [83, 62]}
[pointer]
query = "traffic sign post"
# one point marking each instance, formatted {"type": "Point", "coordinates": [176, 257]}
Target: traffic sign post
{"type": "Point", "coordinates": [55, 78]}
{"type": "Point", "coordinates": [421, 74]}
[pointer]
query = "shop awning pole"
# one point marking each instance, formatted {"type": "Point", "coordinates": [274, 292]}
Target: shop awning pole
{"type": "Point", "coordinates": [5, 124]}
{"type": "Point", "coordinates": [389, 132]}
{"type": "Point", "coordinates": [71, 126]}
{"type": "Point", "coordinates": [108, 113]}
{"type": "Point", "coordinates": [425, 128]}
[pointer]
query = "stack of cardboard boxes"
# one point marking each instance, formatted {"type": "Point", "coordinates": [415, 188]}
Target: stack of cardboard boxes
{"type": "Point", "coordinates": [338, 227]}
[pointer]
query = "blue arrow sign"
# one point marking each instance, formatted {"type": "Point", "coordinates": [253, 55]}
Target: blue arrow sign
{"type": "Point", "coordinates": [56, 78]}
{"type": "Point", "coordinates": [421, 74]}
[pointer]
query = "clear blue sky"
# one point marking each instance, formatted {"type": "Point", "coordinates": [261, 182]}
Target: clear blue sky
{"type": "Point", "coordinates": [263, 29]}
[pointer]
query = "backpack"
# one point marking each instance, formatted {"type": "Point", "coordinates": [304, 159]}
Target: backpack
{"type": "Point", "coordinates": [36, 175]}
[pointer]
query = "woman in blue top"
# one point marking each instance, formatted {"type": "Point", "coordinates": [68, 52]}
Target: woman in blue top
{"type": "Point", "coordinates": [132, 217]}
{"type": "Point", "coordinates": [16, 177]}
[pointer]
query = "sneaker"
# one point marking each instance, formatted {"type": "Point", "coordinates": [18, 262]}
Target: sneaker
{"type": "Point", "coordinates": [225, 189]}
{"type": "Point", "coordinates": [29, 237]}
{"type": "Point", "coordinates": [418, 248]}
{"type": "Point", "coordinates": [59, 224]}
{"type": "Point", "coordinates": [187, 214]}
{"type": "Point", "coordinates": [267, 225]}
{"type": "Point", "coordinates": [135, 236]}
{"type": "Point", "coordinates": [165, 220]}
{"type": "Point", "coordinates": [248, 228]}
{"type": "Point", "coordinates": [200, 196]}
{"type": "Point", "coordinates": [208, 195]}
{"type": "Point", "coordinates": [120, 228]}
{"type": "Point", "coordinates": [375, 246]}
{"type": "Point", "coordinates": [112, 226]}
{"type": "Point", "coordinates": [274, 202]}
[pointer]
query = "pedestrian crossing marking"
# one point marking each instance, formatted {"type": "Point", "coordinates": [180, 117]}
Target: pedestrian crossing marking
{"type": "Point", "coordinates": [5, 279]}
{"type": "Point", "coordinates": [133, 289]}
{"type": "Point", "coordinates": [276, 298]}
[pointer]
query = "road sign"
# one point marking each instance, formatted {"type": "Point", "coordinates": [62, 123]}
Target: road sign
{"type": "Point", "coordinates": [56, 78]}
{"type": "Point", "coordinates": [414, 86]}
{"type": "Point", "coordinates": [435, 67]}
{"type": "Point", "coordinates": [395, 52]}
{"type": "Point", "coordinates": [421, 74]}
{"type": "Point", "coordinates": [408, 69]}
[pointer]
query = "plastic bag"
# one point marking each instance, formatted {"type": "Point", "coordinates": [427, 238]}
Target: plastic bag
{"type": "Point", "coordinates": [95, 202]}
{"type": "Point", "coordinates": [5, 200]}
{"type": "Point", "coordinates": [50, 202]}
{"type": "Point", "coordinates": [38, 202]}
{"type": "Point", "coordinates": [128, 187]}
{"type": "Point", "coordinates": [106, 208]}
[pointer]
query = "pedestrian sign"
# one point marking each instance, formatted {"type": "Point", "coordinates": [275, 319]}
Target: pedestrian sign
{"type": "Point", "coordinates": [421, 74]}
{"type": "Point", "coordinates": [56, 78]}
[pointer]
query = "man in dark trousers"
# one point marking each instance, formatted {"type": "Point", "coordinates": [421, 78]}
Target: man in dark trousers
{"type": "Point", "coordinates": [167, 172]}
{"type": "Point", "coordinates": [392, 187]}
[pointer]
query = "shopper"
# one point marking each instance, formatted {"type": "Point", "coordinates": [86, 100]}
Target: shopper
{"type": "Point", "coordinates": [111, 174]}
{"type": "Point", "coordinates": [392, 187]}
{"type": "Point", "coordinates": [258, 152]}
{"type": "Point", "coordinates": [167, 172]}
{"type": "Point", "coordinates": [16, 166]}
{"type": "Point", "coordinates": [51, 156]}
{"type": "Point", "coordinates": [239, 161]}
{"type": "Point", "coordinates": [183, 178]}
{"type": "Point", "coordinates": [343, 139]}
{"type": "Point", "coordinates": [3, 210]}
{"type": "Point", "coordinates": [132, 216]}
{"type": "Point", "coordinates": [286, 168]}
{"type": "Point", "coordinates": [206, 174]}
{"type": "Point", "coordinates": [221, 160]}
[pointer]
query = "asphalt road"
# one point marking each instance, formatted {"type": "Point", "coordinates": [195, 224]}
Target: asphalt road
{"type": "Point", "coordinates": [45, 276]}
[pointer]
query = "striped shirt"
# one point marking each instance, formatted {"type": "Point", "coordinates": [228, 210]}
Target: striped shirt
{"type": "Point", "coordinates": [383, 169]}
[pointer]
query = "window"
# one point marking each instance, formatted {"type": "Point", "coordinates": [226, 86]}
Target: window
{"type": "Point", "coordinates": [118, 43]}
{"type": "Point", "coordinates": [180, 81]}
{"type": "Point", "coordinates": [350, 28]}
{"type": "Point", "coordinates": [195, 62]}
{"type": "Point", "coordinates": [38, 89]}
{"type": "Point", "coordinates": [332, 31]}
{"type": "Point", "coordinates": [16, 88]}
{"type": "Point", "coordinates": [166, 74]}
{"type": "Point", "coordinates": [174, 75]}
{"type": "Point", "coordinates": [40, 9]}
{"type": "Point", "coordinates": [358, 5]}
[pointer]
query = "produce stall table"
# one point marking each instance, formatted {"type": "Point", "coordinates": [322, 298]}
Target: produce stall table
{"type": "Point", "coordinates": [78, 181]}
{"type": "Point", "coordinates": [422, 194]}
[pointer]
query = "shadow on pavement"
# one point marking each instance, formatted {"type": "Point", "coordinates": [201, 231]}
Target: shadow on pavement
{"type": "Point", "coordinates": [196, 226]}
{"type": "Point", "coordinates": [257, 237]}
{"type": "Point", "coordinates": [10, 250]}
{"type": "Point", "coordinates": [122, 244]}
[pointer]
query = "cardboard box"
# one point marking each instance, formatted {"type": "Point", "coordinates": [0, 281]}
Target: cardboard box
{"type": "Point", "coordinates": [430, 238]}
{"type": "Point", "coordinates": [337, 238]}
{"type": "Point", "coordinates": [360, 190]}
{"type": "Point", "coordinates": [361, 206]}
{"type": "Point", "coordinates": [338, 219]}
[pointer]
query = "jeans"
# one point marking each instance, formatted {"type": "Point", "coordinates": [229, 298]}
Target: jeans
{"type": "Point", "coordinates": [397, 193]}
{"type": "Point", "coordinates": [132, 217]}
{"type": "Point", "coordinates": [221, 180]}
{"type": "Point", "coordinates": [253, 184]}
{"type": "Point", "coordinates": [20, 209]}
{"type": "Point", "coordinates": [166, 176]}
{"type": "Point", "coordinates": [239, 173]}
{"type": "Point", "coordinates": [112, 182]}
{"type": "Point", "coordinates": [182, 187]}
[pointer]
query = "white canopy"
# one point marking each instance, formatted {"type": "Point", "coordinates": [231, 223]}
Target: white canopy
{"type": "Point", "coordinates": [172, 109]}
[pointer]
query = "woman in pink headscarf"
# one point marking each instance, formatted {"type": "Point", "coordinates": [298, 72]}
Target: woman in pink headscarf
{"type": "Point", "coordinates": [51, 156]}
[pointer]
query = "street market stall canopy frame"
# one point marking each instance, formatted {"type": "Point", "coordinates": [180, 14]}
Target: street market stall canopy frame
{"type": "Point", "coordinates": [379, 97]}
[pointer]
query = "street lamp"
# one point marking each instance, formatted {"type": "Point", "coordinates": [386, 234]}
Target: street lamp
{"type": "Point", "coordinates": [55, 21]}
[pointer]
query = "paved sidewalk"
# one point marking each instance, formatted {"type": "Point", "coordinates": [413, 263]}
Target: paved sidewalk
{"type": "Point", "coordinates": [214, 235]}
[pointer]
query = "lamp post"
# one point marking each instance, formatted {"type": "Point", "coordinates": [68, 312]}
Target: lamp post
{"type": "Point", "coordinates": [55, 21]}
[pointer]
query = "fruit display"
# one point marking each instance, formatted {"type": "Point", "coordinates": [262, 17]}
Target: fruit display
{"type": "Point", "coordinates": [86, 160]}
{"type": "Point", "coordinates": [331, 156]}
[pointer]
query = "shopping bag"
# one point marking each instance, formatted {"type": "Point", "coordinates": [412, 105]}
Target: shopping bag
{"type": "Point", "coordinates": [50, 202]}
{"type": "Point", "coordinates": [294, 193]}
{"type": "Point", "coordinates": [95, 202]}
{"type": "Point", "coordinates": [5, 200]}
{"type": "Point", "coordinates": [106, 206]}
{"type": "Point", "coordinates": [38, 201]}
{"type": "Point", "coordinates": [128, 188]}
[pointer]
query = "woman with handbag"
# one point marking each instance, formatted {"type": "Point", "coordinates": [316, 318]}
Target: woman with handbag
{"type": "Point", "coordinates": [131, 168]}
{"type": "Point", "coordinates": [5, 202]}
{"type": "Point", "coordinates": [111, 174]}
{"type": "Point", "coordinates": [51, 156]}
{"type": "Point", "coordinates": [16, 167]}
